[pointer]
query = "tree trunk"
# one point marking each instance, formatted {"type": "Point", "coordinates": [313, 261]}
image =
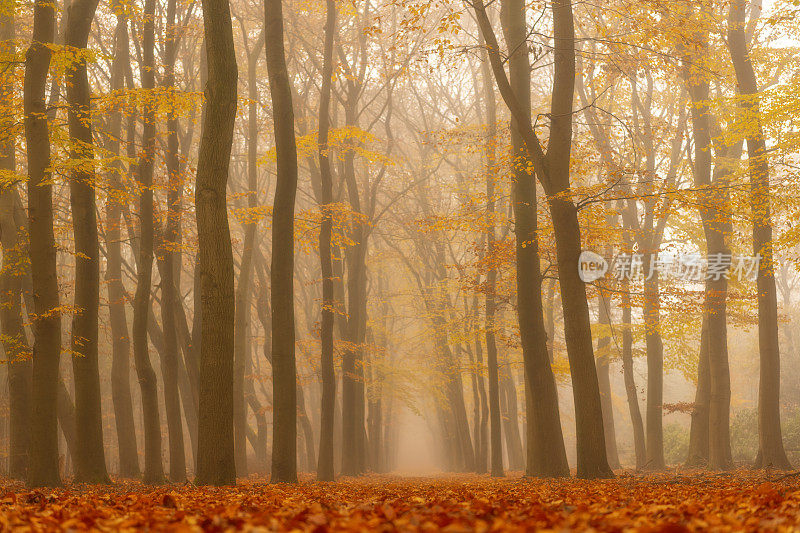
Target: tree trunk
{"type": "Point", "coordinates": [552, 170]}
{"type": "Point", "coordinates": [459, 409]}
{"type": "Point", "coordinates": [260, 443]}
{"type": "Point", "coordinates": [308, 430]}
{"type": "Point", "coordinates": [516, 457]}
{"type": "Point", "coordinates": [631, 393]}
{"type": "Point", "coordinates": [153, 468]}
{"type": "Point", "coordinates": [603, 378]}
{"type": "Point", "coordinates": [284, 374]}
{"type": "Point", "coordinates": [325, 465]}
{"type": "Point", "coordinates": [43, 459]}
{"type": "Point", "coordinates": [710, 430]}
{"type": "Point", "coordinates": [120, 342]}
{"type": "Point", "coordinates": [771, 451]}
{"type": "Point", "coordinates": [546, 455]}
{"type": "Point", "coordinates": [170, 365]}
{"type": "Point", "coordinates": [655, 368]}
{"type": "Point", "coordinates": [12, 238]}
{"type": "Point", "coordinates": [90, 464]}
{"type": "Point", "coordinates": [550, 317]}
{"type": "Point", "coordinates": [495, 428]}
{"type": "Point", "coordinates": [243, 287]}
{"type": "Point", "coordinates": [66, 419]}
{"type": "Point", "coordinates": [15, 342]}
{"type": "Point", "coordinates": [169, 285]}
{"type": "Point", "coordinates": [482, 457]}
{"type": "Point", "coordinates": [592, 462]}
{"type": "Point", "coordinates": [352, 360]}
{"type": "Point", "coordinates": [699, 429]}
{"type": "Point", "coordinates": [215, 445]}
{"type": "Point", "coordinates": [477, 405]}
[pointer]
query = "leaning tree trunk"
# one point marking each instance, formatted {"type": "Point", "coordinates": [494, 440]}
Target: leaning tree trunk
{"type": "Point", "coordinates": [90, 464]}
{"type": "Point", "coordinates": [284, 374]}
{"type": "Point", "coordinates": [545, 452]}
{"type": "Point", "coordinates": [770, 440]}
{"type": "Point", "coordinates": [120, 342]}
{"type": "Point", "coordinates": [552, 170]}
{"type": "Point", "coordinates": [215, 445]}
{"type": "Point", "coordinates": [325, 465]}
{"type": "Point", "coordinates": [153, 468]}
{"type": "Point", "coordinates": [43, 458]}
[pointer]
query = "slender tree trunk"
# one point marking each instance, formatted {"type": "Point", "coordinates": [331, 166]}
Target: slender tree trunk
{"type": "Point", "coordinates": [715, 310]}
{"type": "Point", "coordinates": [480, 467]}
{"type": "Point", "coordinates": [325, 465]}
{"type": "Point", "coordinates": [546, 455]}
{"type": "Point", "coordinates": [496, 443]}
{"type": "Point", "coordinates": [43, 458]}
{"type": "Point", "coordinates": [631, 393]}
{"type": "Point", "coordinates": [169, 365]}
{"type": "Point", "coordinates": [495, 428]}
{"type": "Point", "coordinates": [352, 364]}
{"type": "Point", "coordinates": [243, 288]}
{"type": "Point", "coordinates": [550, 318]}
{"type": "Point", "coordinates": [153, 468]}
{"type": "Point", "coordinates": [13, 240]}
{"type": "Point", "coordinates": [516, 457]}
{"type": "Point", "coordinates": [15, 342]}
{"type": "Point", "coordinates": [169, 284]}
{"type": "Point", "coordinates": [770, 439]}
{"type": "Point", "coordinates": [699, 429]}
{"type": "Point", "coordinates": [215, 446]}
{"type": "Point", "coordinates": [260, 442]}
{"type": "Point", "coordinates": [284, 374]}
{"type": "Point", "coordinates": [66, 420]}
{"type": "Point", "coordinates": [482, 458]}
{"type": "Point", "coordinates": [308, 430]}
{"type": "Point", "coordinates": [459, 409]}
{"type": "Point", "coordinates": [120, 342]}
{"type": "Point", "coordinates": [603, 378]}
{"type": "Point", "coordinates": [655, 368]}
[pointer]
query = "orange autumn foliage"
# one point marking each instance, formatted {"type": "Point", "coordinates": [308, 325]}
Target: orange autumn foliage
{"type": "Point", "coordinates": [682, 502]}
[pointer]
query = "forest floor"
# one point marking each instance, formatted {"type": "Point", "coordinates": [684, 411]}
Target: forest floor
{"type": "Point", "coordinates": [666, 503]}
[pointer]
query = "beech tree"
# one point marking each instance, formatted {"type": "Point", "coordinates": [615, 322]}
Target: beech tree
{"type": "Point", "coordinates": [215, 449]}
{"type": "Point", "coordinates": [552, 170]}
{"type": "Point", "coordinates": [153, 466]}
{"type": "Point", "coordinates": [284, 459]}
{"type": "Point", "coordinates": [43, 457]}
{"type": "Point", "coordinates": [380, 257]}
